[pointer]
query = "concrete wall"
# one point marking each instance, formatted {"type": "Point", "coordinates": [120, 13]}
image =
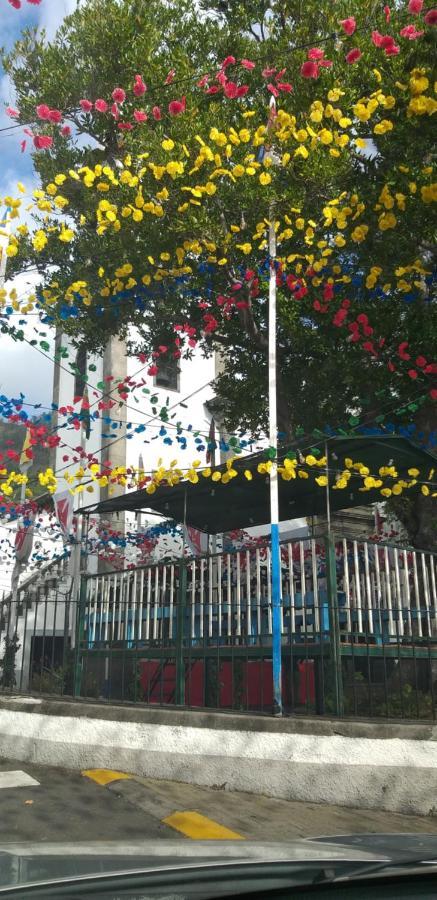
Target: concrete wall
{"type": "Point", "coordinates": [391, 767]}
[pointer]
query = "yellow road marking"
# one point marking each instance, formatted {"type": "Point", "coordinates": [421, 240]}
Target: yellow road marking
{"type": "Point", "coordinates": [200, 828]}
{"type": "Point", "coordinates": [104, 776]}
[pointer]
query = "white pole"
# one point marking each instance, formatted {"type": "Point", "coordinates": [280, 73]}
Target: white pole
{"type": "Point", "coordinates": [274, 495]}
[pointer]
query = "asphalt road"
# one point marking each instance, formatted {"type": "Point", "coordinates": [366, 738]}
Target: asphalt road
{"type": "Point", "coordinates": [60, 805]}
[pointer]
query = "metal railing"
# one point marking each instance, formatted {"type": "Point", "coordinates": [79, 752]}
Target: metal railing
{"type": "Point", "coordinates": [358, 625]}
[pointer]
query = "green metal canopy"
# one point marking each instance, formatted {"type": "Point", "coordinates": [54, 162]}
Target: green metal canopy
{"type": "Point", "coordinates": [214, 507]}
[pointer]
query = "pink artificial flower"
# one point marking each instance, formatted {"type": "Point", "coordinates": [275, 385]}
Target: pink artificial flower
{"type": "Point", "coordinates": [325, 63]}
{"type": "Point", "coordinates": [222, 78]}
{"type": "Point", "coordinates": [115, 112]}
{"type": "Point", "coordinates": [431, 17]}
{"type": "Point", "coordinates": [316, 53]}
{"type": "Point", "coordinates": [23, 146]}
{"type": "Point", "coordinates": [242, 90]}
{"type": "Point", "coordinates": [348, 25]}
{"type": "Point", "coordinates": [387, 14]}
{"type": "Point", "coordinates": [392, 50]}
{"type": "Point", "coordinates": [140, 115]}
{"type": "Point", "coordinates": [15, 3]}
{"type": "Point", "coordinates": [273, 89]}
{"type": "Point", "coordinates": [43, 111]}
{"type": "Point", "coordinates": [411, 33]}
{"type": "Point", "coordinates": [353, 55]}
{"type": "Point", "coordinates": [170, 76]}
{"type": "Point", "coordinates": [230, 89]}
{"type": "Point", "coordinates": [66, 131]}
{"type": "Point", "coordinates": [119, 95]}
{"type": "Point", "coordinates": [415, 7]}
{"type": "Point", "coordinates": [203, 81]}
{"type": "Point", "coordinates": [55, 116]}
{"type": "Point", "coordinates": [139, 87]}
{"type": "Point", "coordinates": [309, 69]}
{"type": "Point", "coordinates": [284, 86]}
{"type": "Point", "coordinates": [267, 73]}
{"type": "Point", "coordinates": [376, 38]}
{"type": "Point", "coordinates": [125, 126]}
{"type": "Point", "coordinates": [86, 105]}
{"type": "Point", "coordinates": [176, 107]}
{"type": "Point", "coordinates": [12, 113]}
{"type": "Point", "coordinates": [101, 106]}
{"type": "Point", "coordinates": [247, 64]}
{"type": "Point", "coordinates": [214, 89]}
{"type": "Point", "coordinates": [156, 113]}
{"type": "Point", "coordinates": [42, 141]}
{"type": "Point", "coordinates": [229, 61]}
{"type": "Point", "coordinates": [35, 2]}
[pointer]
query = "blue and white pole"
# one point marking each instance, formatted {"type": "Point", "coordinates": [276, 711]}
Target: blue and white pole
{"type": "Point", "coordinates": [274, 494]}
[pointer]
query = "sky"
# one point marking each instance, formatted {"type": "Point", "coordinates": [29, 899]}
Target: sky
{"type": "Point", "coordinates": [21, 367]}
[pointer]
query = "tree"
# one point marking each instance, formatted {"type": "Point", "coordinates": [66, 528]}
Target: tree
{"type": "Point", "coordinates": [181, 248]}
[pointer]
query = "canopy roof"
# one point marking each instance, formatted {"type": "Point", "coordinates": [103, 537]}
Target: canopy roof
{"type": "Point", "coordinates": [214, 507]}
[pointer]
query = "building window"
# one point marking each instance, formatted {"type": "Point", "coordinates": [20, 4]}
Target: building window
{"type": "Point", "coordinates": [167, 377]}
{"type": "Point", "coordinates": [80, 373]}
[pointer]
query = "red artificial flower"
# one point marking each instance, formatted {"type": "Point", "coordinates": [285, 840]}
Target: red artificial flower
{"type": "Point", "coordinates": [247, 64]}
{"type": "Point", "coordinates": [410, 32]}
{"type": "Point", "coordinates": [392, 50]}
{"type": "Point", "coordinates": [86, 105]}
{"type": "Point", "coordinates": [433, 393]}
{"type": "Point", "coordinates": [353, 55]}
{"type": "Point", "coordinates": [15, 3]}
{"type": "Point", "coordinates": [214, 89]}
{"type": "Point", "coordinates": [309, 69]}
{"type": "Point", "coordinates": [13, 113]}
{"type": "Point", "coordinates": [152, 370]}
{"type": "Point", "coordinates": [229, 61]}
{"type": "Point", "coordinates": [170, 76]}
{"type": "Point", "coordinates": [316, 53]}
{"type": "Point", "coordinates": [325, 63]}
{"type": "Point", "coordinates": [377, 38]}
{"type": "Point", "coordinates": [284, 86]}
{"type": "Point", "coordinates": [348, 25]}
{"type": "Point", "coordinates": [415, 7]}
{"type": "Point", "coordinates": [431, 17]}
{"type": "Point", "coordinates": [230, 89]}
{"type": "Point", "coordinates": [42, 141]}
{"type": "Point", "coordinates": [119, 95]}
{"type": "Point", "coordinates": [413, 374]}
{"type": "Point", "coordinates": [203, 81]}
{"type": "Point", "coordinates": [125, 126]}
{"type": "Point", "coordinates": [55, 116]}
{"type": "Point", "coordinates": [139, 87]}
{"type": "Point", "coordinates": [176, 107]}
{"type": "Point", "coordinates": [101, 106]}
{"type": "Point", "coordinates": [273, 89]}
{"type": "Point", "coordinates": [115, 111]}
{"type": "Point", "coordinates": [35, 2]}
{"type": "Point", "coordinates": [387, 14]}
{"type": "Point", "coordinates": [402, 350]}
{"type": "Point", "coordinates": [43, 111]}
{"type": "Point", "coordinates": [242, 90]}
{"type": "Point", "coordinates": [156, 113]}
{"type": "Point", "coordinates": [23, 146]}
{"type": "Point", "coordinates": [66, 131]}
{"type": "Point", "coordinates": [421, 362]}
{"type": "Point", "coordinates": [140, 116]}
{"type": "Point", "coordinates": [267, 73]}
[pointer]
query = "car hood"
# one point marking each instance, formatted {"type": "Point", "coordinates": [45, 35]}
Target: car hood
{"type": "Point", "coordinates": [31, 862]}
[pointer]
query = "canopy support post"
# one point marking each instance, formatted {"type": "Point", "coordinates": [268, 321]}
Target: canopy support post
{"type": "Point", "coordinates": [274, 495]}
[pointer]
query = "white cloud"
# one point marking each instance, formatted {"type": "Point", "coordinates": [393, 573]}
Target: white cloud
{"type": "Point", "coordinates": [22, 367]}
{"type": "Point", "coordinates": [52, 14]}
